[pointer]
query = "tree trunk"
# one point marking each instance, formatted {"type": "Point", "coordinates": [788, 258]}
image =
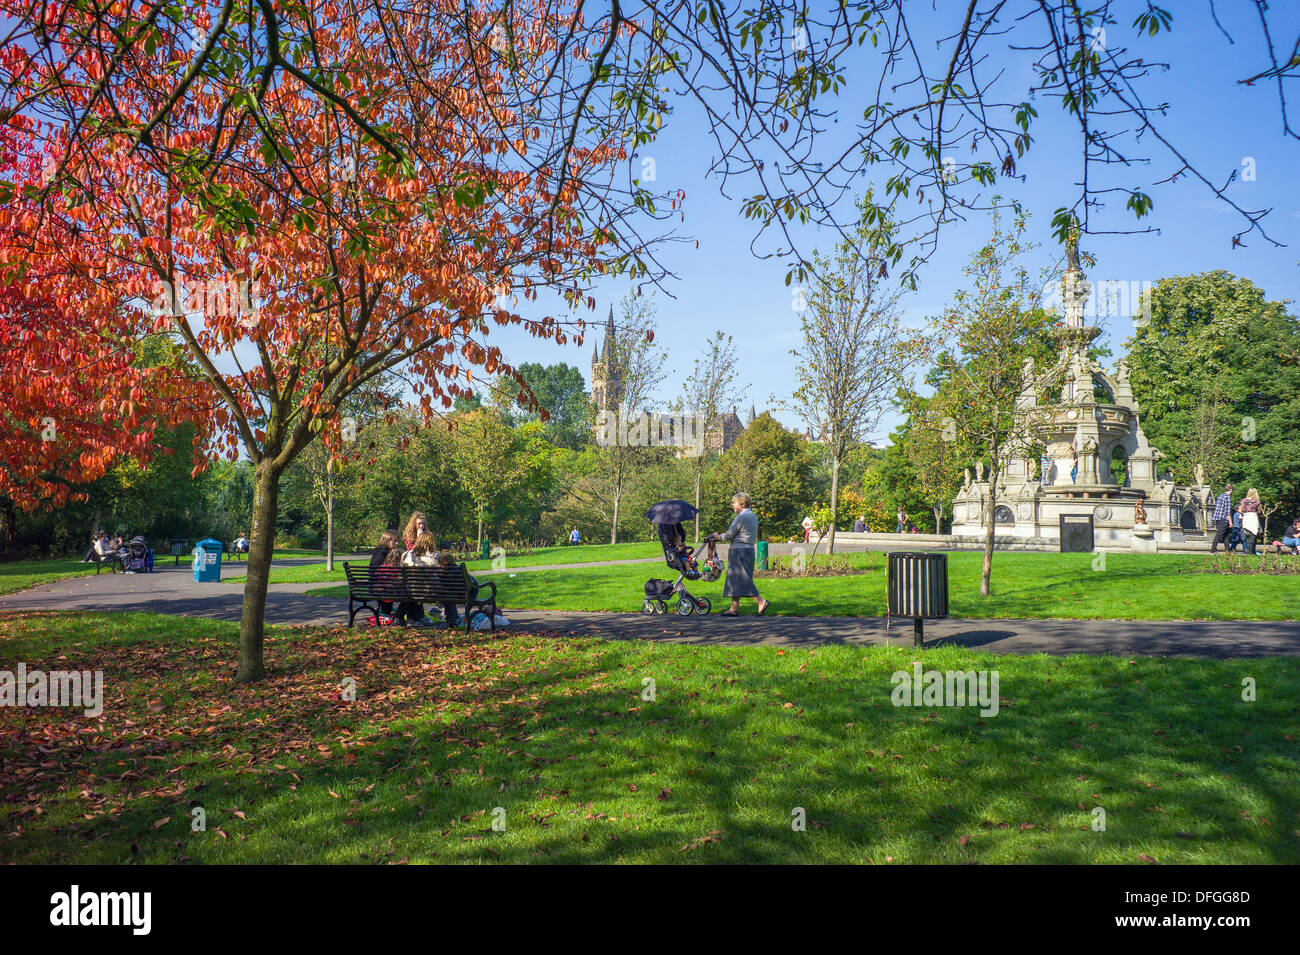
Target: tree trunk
{"type": "Point", "coordinates": [835, 500]}
{"type": "Point", "coordinates": [329, 525]}
{"type": "Point", "coordinates": [266, 500]}
{"type": "Point", "coordinates": [938, 519]}
{"type": "Point", "coordinates": [986, 574]}
{"type": "Point", "coordinates": [479, 546]}
{"type": "Point", "coordinates": [699, 475]}
{"type": "Point", "coordinates": [613, 529]}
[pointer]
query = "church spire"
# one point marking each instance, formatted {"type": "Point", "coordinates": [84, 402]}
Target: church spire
{"type": "Point", "coordinates": [607, 349]}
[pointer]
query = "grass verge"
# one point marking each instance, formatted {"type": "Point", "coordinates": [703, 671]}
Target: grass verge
{"type": "Point", "coordinates": [582, 554]}
{"type": "Point", "coordinates": [1025, 586]}
{"type": "Point", "coordinates": [21, 574]}
{"type": "Point", "coordinates": [562, 742]}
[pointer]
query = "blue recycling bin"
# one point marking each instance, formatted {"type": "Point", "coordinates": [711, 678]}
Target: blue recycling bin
{"type": "Point", "coordinates": [207, 562]}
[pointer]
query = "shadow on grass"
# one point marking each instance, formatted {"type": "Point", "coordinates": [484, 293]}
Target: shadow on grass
{"type": "Point", "coordinates": [556, 734]}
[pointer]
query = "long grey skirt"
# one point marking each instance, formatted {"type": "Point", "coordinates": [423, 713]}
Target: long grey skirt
{"type": "Point", "coordinates": [740, 572]}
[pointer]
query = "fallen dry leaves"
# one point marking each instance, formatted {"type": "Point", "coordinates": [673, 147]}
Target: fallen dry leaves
{"type": "Point", "coordinates": [163, 703]}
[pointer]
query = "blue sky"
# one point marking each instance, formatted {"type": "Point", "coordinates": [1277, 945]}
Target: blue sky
{"type": "Point", "coordinates": [1214, 120]}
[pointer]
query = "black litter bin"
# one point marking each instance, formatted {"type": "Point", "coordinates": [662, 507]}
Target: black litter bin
{"type": "Point", "coordinates": [917, 588]}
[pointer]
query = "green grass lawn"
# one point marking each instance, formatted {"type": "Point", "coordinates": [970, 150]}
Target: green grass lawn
{"type": "Point", "coordinates": [582, 554]}
{"type": "Point", "coordinates": [21, 574]}
{"type": "Point", "coordinates": [1052, 586]}
{"type": "Point", "coordinates": [556, 734]}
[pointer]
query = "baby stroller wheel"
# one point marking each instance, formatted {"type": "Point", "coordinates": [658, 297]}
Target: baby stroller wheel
{"type": "Point", "coordinates": [661, 607]}
{"type": "Point", "coordinates": [685, 606]}
{"type": "Point", "coordinates": [704, 605]}
{"type": "Point", "coordinates": [647, 607]}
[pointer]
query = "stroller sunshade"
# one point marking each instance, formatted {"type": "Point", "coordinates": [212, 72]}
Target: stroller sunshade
{"type": "Point", "coordinates": [671, 512]}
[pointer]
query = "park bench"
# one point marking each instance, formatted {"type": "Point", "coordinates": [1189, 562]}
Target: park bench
{"type": "Point", "coordinates": [113, 561]}
{"type": "Point", "coordinates": [368, 586]}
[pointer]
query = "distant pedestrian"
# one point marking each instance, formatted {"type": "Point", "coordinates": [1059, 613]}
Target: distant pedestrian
{"type": "Point", "coordinates": [1250, 520]}
{"type": "Point", "coordinates": [575, 537]}
{"type": "Point", "coordinates": [1074, 466]}
{"type": "Point", "coordinates": [902, 521]}
{"type": "Point", "coordinates": [1222, 517]}
{"type": "Point", "coordinates": [859, 526]}
{"type": "Point", "coordinates": [1235, 536]}
{"type": "Point", "coordinates": [807, 529]}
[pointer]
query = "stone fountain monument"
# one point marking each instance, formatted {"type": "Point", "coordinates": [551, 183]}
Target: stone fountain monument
{"type": "Point", "coordinates": [1081, 454]}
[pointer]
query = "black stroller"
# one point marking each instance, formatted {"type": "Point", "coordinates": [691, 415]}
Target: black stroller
{"type": "Point", "coordinates": [667, 516]}
{"type": "Point", "coordinates": [137, 558]}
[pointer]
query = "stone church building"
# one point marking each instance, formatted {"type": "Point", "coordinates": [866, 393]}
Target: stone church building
{"type": "Point", "coordinates": [607, 385]}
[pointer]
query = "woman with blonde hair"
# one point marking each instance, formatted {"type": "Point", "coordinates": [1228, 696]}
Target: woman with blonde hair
{"type": "Point", "coordinates": [414, 528]}
{"type": "Point", "coordinates": [1250, 520]}
{"type": "Point", "coordinates": [742, 536]}
{"type": "Point", "coordinates": [423, 553]}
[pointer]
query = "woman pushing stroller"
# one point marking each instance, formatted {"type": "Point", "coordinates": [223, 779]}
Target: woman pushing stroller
{"type": "Point", "coordinates": [742, 536]}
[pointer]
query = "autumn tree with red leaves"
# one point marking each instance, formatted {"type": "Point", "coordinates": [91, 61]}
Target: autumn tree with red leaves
{"type": "Point", "coordinates": [336, 263]}
{"type": "Point", "coordinates": [72, 396]}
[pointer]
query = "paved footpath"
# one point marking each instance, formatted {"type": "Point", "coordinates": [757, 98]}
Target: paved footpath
{"type": "Point", "coordinates": [172, 590]}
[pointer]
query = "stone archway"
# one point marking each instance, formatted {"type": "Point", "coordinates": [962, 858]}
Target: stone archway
{"type": "Point", "coordinates": [1118, 465]}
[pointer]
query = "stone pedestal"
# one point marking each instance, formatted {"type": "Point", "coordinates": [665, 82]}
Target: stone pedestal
{"type": "Point", "coordinates": [1144, 539]}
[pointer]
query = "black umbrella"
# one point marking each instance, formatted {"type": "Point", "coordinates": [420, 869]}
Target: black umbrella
{"type": "Point", "coordinates": [671, 512]}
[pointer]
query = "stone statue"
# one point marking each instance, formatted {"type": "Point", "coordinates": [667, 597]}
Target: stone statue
{"type": "Point", "coordinates": [1072, 245]}
{"type": "Point", "coordinates": [966, 483]}
{"type": "Point", "coordinates": [979, 470]}
{"type": "Point", "coordinates": [1032, 467]}
{"type": "Point", "coordinates": [1200, 475]}
{"type": "Point", "coordinates": [1090, 445]}
{"type": "Point", "coordinates": [1139, 514]}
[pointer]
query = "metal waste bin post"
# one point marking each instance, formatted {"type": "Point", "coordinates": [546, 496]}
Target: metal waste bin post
{"type": "Point", "coordinates": [178, 549]}
{"type": "Point", "coordinates": [918, 588]}
{"type": "Point", "coordinates": [486, 552]}
{"type": "Point", "coordinates": [207, 561]}
{"type": "Point", "coordinates": [760, 555]}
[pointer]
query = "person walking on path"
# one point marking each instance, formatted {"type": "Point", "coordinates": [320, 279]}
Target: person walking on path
{"type": "Point", "coordinates": [859, 526]}
{"type": "Point", "coordinates": [1074, 465]}
{"type": "Point", "coordinates": [807, 529]}
{"type": "Point", "coordinates": [742, 536]}
{"type": "Point", "coordinates": [1222, 517]}
{"type": "Point", "coordinates": [575, 537]}
{"type": "Point", "coordinates": [1250, 520]}
{"type": "Point", "coordinates": [902, 521]}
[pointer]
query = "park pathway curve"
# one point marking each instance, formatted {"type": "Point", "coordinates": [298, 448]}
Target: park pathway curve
{"type": "Point", "coordinates": [172, 590]}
